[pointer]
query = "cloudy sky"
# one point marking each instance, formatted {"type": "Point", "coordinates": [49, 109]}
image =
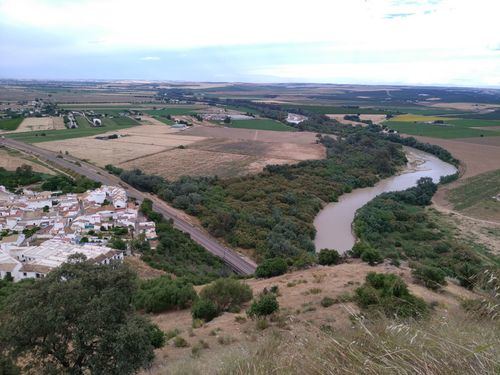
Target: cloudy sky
{"type": "Point", "coordinates": [445, 42]}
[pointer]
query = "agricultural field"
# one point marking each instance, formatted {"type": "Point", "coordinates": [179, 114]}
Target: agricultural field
{"type": "Point", "coordinates": [260, 124]}
{"type": "Point", "coordinates": [40, 124]}
{"type": "Point", "coordinates": [83, 131]}
{"type": "Point", "coordinates": [12, 159]}
{"type": "Point", "coordinates": [474, 196]}
{"type": "Point", "coordinates": [10, 124]}
{"type": "Point", "coordinates": [134, 143]}
{"type": "Point", "coordinates": [452, 127]}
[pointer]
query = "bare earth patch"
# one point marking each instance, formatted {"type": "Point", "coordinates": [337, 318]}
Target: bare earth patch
{"type": "Point", "coordinates": [376, 119]}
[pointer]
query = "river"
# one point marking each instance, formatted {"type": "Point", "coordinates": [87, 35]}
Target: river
{"type": "Point", "coordinates": [334, 222]}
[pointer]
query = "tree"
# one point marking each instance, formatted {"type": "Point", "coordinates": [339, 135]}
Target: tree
{"type": "Point", "coordinates": [227, 294]}
{"type": "Point", "coordinates": [327, 257]}
{"type": "Point", "coordinates": [371, 256]}
{"type": "Point", "coordinates": [204, 309]}
{"type": "Point", "coordinates": [265, 305]}
{"type": "Point", "coordinates": [78, 320]}
{"type": "Point", "coordinates": [271, 267]}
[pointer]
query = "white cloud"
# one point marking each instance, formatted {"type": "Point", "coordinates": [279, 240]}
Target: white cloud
{"type": "Point", "coordinates": [150, 58]}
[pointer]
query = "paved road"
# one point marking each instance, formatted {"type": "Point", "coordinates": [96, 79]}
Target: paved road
{"type": "Point", "coordinates": [230, 257]}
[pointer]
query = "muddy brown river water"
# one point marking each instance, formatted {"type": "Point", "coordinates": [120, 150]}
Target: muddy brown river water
{"type": "Point", "coordinates": [334, 222]}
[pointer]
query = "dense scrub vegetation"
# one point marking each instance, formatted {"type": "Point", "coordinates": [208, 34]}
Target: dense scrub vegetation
{"type": "Point", "coordinates": [67, 185]}
{"type": "Point", "coordinates": [22, 176]}
{"type": "Point", "coordinates": [176, 253]}
{"type": "Point", "coordinates": [273, 212]}
{"type": "Point", "coordinates": [222, 295]}
{"type": "Point", "coordinates": [400, 227]}
{"type": "Point", "coordinates": [388, 294]}
{"type": "Point", "coordinates": [163, 294]}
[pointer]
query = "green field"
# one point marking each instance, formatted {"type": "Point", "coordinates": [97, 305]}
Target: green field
{"type": "Point", "coordinates": [165, 120]}
{"type": "Point", "coordinates": [453, 127]}
{"type": "Point", "coordinates": [173, 111]}
{"type": "Point", "coordinates": [56, 135]}
{"type": "Point", "coordinates": [260, 124]}
{"type": "Point", "coordinates": [10, 124]}
{"type": "Point", "coordinates": [475, 195]}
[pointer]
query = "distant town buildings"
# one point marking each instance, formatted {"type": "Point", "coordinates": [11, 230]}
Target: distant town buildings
{"type": "Point", "coordinates": [41, 230]}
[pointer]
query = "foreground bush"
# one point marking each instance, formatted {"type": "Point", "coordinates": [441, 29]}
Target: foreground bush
{"type": "Point", "coordinates": [271, 267]}
{"type": "Point", "coordinates": [388, 294]}
{"type": "Point", "coordinates": [163, 293]}
{"type": "Point", "coordinates": [328, 257]}
{"type": "Point", "coordinates": [431, 277]}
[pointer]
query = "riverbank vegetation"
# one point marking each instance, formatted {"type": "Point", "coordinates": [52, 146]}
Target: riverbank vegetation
{"type": "Point", "coordinates": [400, 227]}
{"type": "Point", "coordinates": [272, 213]}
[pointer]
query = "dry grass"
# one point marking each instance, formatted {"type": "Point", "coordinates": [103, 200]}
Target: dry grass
{"type": "Point", "coordinates": [10, 160]}
{"type": "Point", "coordinates": [40, 123]}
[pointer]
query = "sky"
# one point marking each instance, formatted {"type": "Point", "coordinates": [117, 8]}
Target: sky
{"type": "Point", "coordinates": [426, 42]}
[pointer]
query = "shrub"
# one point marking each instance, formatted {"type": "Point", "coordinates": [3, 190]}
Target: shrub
{"type": "Point", "coordinates": [328, 257]}
{"type": "Point", "coordinates": [180, 342]}
{"type": "Point", "coordinates": [327, 302]}
{"type": "Point", "coordinates": [163, 293]}
{"type": "Point", "coordinates": [271, 267]}
{"type": "Point", "coordinates": [262, 324]}
{"type": "Point", "coordinates": [371, 256]}
{"type": "Point", "coordinates": [204, 309]}
{"type": "Point", "coordinates": [388, 293]}
{"type": "Point", "coordinates": [431, 277]}
{"type": "Point", "coordinates": [227, 294]}
{"type": "Point", "coordinates": [157, 336]}
{"type": "Point", "coordinates": [265, 305]}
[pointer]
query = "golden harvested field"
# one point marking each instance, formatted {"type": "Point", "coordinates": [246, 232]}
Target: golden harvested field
{"type": "Point", "coordinates": [251, 134]}
{"type": "Point", "coordinates": [10, 160]}
{"type": "Point", "coordinates": [340, 118]}
{"type": "Point", "coordinates": [136, 142]}
{"type": "Point", "coordinates": [40, 123]}
{"type": "Point", "coordinates": [155, 149]}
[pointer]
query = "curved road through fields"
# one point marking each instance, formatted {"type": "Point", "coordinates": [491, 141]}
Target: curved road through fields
{"type": "Point", "coordinates": [237, 262]}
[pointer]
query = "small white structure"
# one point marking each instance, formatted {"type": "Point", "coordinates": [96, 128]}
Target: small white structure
{"type": "Point", "coordinates": [97, 122]}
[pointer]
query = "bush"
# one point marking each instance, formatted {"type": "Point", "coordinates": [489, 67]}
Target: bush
{"type": "Point", "coordinates": [371, 256]}
{"type": "Point", "coordinates": [265, 305]}
{"type": "Point", "coordinates": [388, 293]}
{"type": "Point", "coordinates": [157, 336]}
{"type": "Point", "coordinates": [271, 267]}
{"type": "Point", "coordinates": [163, 293]}
{"type": "Point", "coordinates": [327, 302]}
{"type": "Point", "coordinates": [204, 309]}
{"type": "Point", "coordinates": [431, 277]}
{"type": "Point", "coordinates": [227, 294]}
{"type": "Point", "coordinates": [328, 257]}
{"type": "Point", "coordinates": [180, 342]}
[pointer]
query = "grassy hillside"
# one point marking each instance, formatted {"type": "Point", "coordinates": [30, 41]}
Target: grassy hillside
{"type": "Point", "coordinates": [474, 196]}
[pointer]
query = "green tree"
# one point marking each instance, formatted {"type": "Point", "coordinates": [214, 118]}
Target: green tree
{"type": "Point", "coordinates": [78, 320]}
{"type": "Point", "coordinates": [328, 257]}
{"type": "Point", "coordinates": [227, 294]}
{"type": "Point", "coordinates": [431, 277]}
{"type": "Point", "coordinates": [204, 309]}
{"type": "Point", "coordinates": [271, 267]}
{"type": "Point", "coordinates": [265, 305]}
